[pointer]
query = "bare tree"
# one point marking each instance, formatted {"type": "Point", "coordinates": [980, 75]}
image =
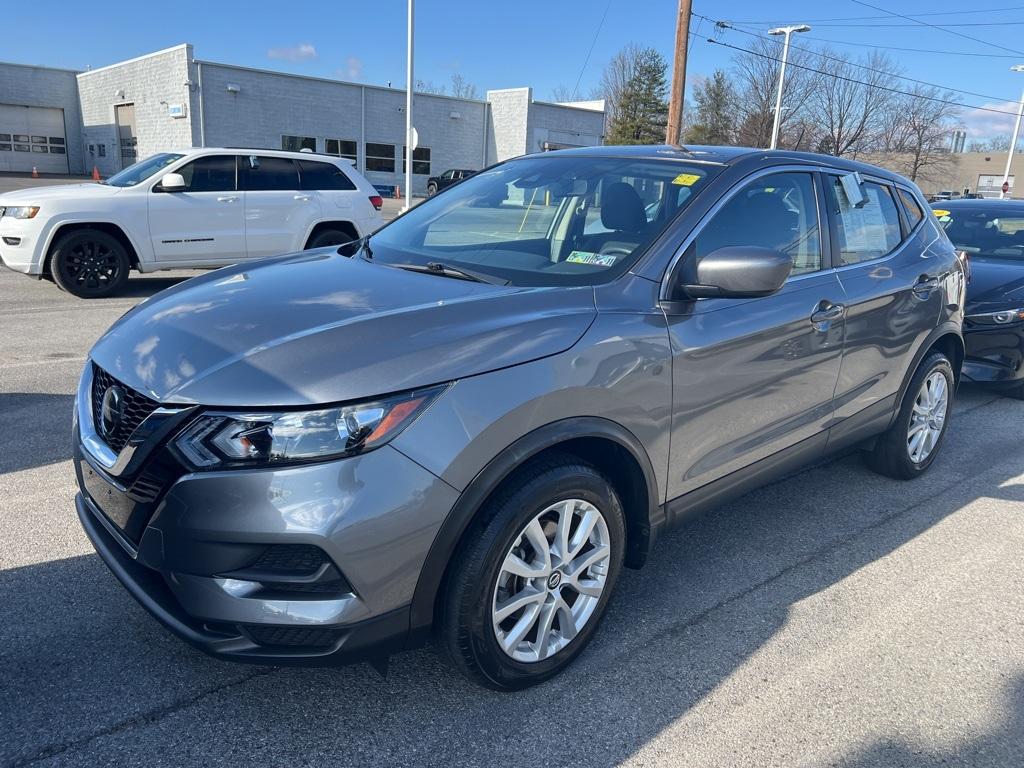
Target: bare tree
{"type": "Point", "coordinates": [851, 103]}
{"type": "Point", "coordinates": [918, 132]}
{"type": "Point", "coordinates": [615, 81]}
{"type": "Point", "coordinates": [562, 93]}
{"type": "Point", "coordinates": [756, 78]}
{"type": "Point", "coordinates": [461, 88]}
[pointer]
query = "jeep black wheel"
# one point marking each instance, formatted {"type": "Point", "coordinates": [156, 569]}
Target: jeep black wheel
{"type": "Point", "coordinates": [89, 264]}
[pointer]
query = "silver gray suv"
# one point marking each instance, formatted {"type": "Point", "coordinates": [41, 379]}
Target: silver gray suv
{"type": "Point", "coordinates": [467, 423]}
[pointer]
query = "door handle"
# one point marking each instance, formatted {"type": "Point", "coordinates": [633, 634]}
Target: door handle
{"type": "Point", "coordinates": [925, 285]}
{"type": "Point", "coordinates": [301, 197]}
{"type": "Point", "coordinates": [827, 313]}
{"type": "Point", "coordinates": [227, 199]}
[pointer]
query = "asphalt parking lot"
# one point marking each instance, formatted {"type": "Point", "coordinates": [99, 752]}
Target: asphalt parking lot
{"type": "Point", "coordinates": [834, 618]}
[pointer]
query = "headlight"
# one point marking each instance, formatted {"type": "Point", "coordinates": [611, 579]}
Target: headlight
{"type": "Point", "coordinates": [20, 211]}
{"type": "Point", "coordinates": [1002, 317]}
{"type": "Point", "coordinates": [220, 439]}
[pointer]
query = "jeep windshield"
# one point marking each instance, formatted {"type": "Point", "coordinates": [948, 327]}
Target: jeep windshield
{"type": "Point", "coordinates": [142, 170]}
{"type": "Point", "coordinates": [570, 220]}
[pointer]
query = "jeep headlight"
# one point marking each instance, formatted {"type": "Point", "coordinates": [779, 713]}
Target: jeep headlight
{"type": "Point", "coordinates": [20, 211]}
{"type": "Point", "coordinates": [1002, 317]}
{"type": "Point", "coordinates": [222, 439]}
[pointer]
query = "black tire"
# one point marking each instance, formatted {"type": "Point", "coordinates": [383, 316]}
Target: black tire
{"type": "Point", "coordinates": [328, 237]}
{"type": "Point", "coordinates": [465, 627]}
{"type": "Point", "coordinates": [89, 263]}
{"type": "Point", "coordinates": [1016, 391]}
{"type": "Point", "coordinates": [891, 455]}
{"type": "Point", "coordinates": [431, 190]}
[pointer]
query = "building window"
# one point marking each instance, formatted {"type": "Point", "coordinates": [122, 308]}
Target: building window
{"type": "Point", "coordinates": [420, 161]}
{"type": "Point", "coordinates": [296, 143]}
{"type": "Point", "coordinates": [380, 157]}
{"type": "Point", "coordinates": [5, 137]}
{"type": "Point", "coordinates": [38, 139]}
{"type": "Point", "coordinates": [21, 147]}
{"type": "Point", "coordinates": [101, 150]}
{"type": "Point", "coordinates": [5, 147]}
{"type": "Point", "coordinates": [21, 138]}
{"type": "Point", "coordinates": [341, 148]}
{"type": "Point", "coordinates": [37, 148]}
{"type": "Point", "coordinates": [57, 140]}
{"type": "Point", "coordinates": [57, 150]}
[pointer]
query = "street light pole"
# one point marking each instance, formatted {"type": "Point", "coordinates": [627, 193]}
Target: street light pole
{"type": "Point", "coordinates": [1013, 141]}
{"type": "Point", "coordinates": [408, 115]}
{"type": "Point", "coordinates": [787, 31]}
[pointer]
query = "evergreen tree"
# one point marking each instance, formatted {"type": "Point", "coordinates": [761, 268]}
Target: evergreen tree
{"type": "Point", "coordinates": [642, 113]}
{"type": "Point", "coordinates": [715, 121]}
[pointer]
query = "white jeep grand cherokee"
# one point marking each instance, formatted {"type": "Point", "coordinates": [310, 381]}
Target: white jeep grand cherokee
{"type": "Point", "coordinates": [184, 210]}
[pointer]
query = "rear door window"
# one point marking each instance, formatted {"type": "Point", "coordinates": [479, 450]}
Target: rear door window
{"type": "Point", "coordinates": [323, 176]}
{"type": "Point", "coordinates": [868, 232]}
{"type": "Point", "coordinates": [911, 206]}
{"type": "Point", "coordinates": [261, 174]}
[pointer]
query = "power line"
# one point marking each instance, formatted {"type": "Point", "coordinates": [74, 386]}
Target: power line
{"type": "Point", "coordinates": [592, 44]}
{"type": "Point", "coordinates": [936, 26]}
{"type": "Point", "coordinates": [917, 50]}
{"type": "Point", "coordinates": [824, 55]}
{"type": "Point", "coordinates": [950, 102]}
{"type": "Point", "coordinates": [912, 15]}
{"type": "Point", "coordinates": [945, 27]}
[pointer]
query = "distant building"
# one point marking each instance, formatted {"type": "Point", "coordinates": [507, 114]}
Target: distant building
{"type": "Point", "coordinates": [62, 121]}
{"type": "Point", "coordinates": [958, 140]}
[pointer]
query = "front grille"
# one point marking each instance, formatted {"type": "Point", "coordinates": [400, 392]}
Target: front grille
{"type": "Point", "coordinates": [136, 407]}
{"type": "Point", "coordinates": [293, 637]}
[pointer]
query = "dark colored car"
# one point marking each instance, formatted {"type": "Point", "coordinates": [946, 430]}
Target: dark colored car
{"type": "Point", "coordinates": [436, 183]}
{"type": "Point", "coordinates": [991, 232]}
{"type": "Point", "coordinates": [468, 422]}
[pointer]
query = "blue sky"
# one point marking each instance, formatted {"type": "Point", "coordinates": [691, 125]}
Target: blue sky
{"type": "Point", "coordinates": [501, 44]}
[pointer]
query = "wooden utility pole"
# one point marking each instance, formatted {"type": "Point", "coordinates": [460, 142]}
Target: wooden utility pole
{"type": "Point", "coordinates": [675, 104]}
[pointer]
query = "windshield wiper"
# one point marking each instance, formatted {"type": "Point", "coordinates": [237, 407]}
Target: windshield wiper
{"type": "Point", "coordinates": [446, 270]}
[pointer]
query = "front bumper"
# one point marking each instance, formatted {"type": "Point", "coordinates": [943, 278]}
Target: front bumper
{"type": "Point", "coordinates": [374, 516]}
{"type": "Point", "coordinates": [994, 355]}
{"type": "Point", "coordinates": [22, 251]}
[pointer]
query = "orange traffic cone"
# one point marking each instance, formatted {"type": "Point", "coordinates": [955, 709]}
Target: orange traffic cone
{"type": "Point", "coordinates": [95, 173]}
{"type": "Point", "coordinates": [35, 173]}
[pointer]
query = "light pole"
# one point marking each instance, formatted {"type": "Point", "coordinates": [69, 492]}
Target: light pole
{"type": "Point", "coordinates": [409, 135]}
{"type": "Point", "coordinates": [787, 31]}
{"type": "Point", "coordinates": [1013, 141]}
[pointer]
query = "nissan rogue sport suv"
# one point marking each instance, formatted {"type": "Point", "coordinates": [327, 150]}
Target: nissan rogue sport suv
{"type": "Point", "coordinates": [470, 421]}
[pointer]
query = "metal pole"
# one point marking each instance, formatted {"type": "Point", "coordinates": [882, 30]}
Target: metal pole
{"type": "Point", "coordinates": [408, 117]}
{"type": "Point", "coordinates": [1013, 146]}
{"type": "Point", "coordinates": [675, 104]}
{"type": "Point", "coordinates": [778, 96]}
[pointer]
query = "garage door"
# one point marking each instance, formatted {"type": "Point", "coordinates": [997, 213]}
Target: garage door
{"type": "Point", "coordinates": [32, 136]}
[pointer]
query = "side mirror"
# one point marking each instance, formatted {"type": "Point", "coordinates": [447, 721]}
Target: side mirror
{"type": "Point", "coordinates": [171, 182]}
{"type": "Point", "coordinates": [740, 272]}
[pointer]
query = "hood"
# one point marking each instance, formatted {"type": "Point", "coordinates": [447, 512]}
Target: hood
{"type": "Point", "coordinates": [995, 284]}
{"type": "Point", "coordinates": [33, 195]}
{"type": "Point", "coordinates": [318, 327]}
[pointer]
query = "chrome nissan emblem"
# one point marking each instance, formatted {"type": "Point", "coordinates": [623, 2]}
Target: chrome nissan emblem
{"type": "Point", "coordinates": [111, 411]}
{"type": "Point", "coordinates": [554, 580]}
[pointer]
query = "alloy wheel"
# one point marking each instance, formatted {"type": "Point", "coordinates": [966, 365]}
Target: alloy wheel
{"type": "Point", "coordinates": [551, 580]}
{"type": "Point", "coordinates": [91, 264]}
{"type": "Point", "coordinates": [928, 417]}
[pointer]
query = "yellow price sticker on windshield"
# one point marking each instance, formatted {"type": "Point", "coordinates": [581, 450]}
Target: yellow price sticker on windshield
{"type": "Point", "coordinates": [686, 179]}
{"type": "Point", "coordinates": [940, 214]}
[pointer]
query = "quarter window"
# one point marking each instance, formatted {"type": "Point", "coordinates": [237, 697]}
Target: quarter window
{"type": "Point", "coordinates": [264, 174]}
{"type": "Point", "coordinates": [380, 157]}
{"type": "Point", "coordinates": [420, 160]}
{"type": "Point", "coordinates": [341, 148]}
{"type": "Point", "coordinates": [296, 143]}
{"type": "Point", "coordinates": [210, 174]}
{"type": "Point", "coordinates": [316, 175]}
{"type": "Point", "coordinates": [778, 211]}
{"type": "Point", "coordinates": [910, 205]}
{"type": "Point", "coordinates": [868, 232]}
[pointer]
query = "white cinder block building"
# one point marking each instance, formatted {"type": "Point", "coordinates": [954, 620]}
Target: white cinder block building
{"type": "Point", "coordinates": [68, 122]}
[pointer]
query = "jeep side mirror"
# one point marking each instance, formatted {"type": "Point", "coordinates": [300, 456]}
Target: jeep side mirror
{"type": "Point", "coordinates": [172, 182]}
{"type": "Point", "coordinates": [740, 272]}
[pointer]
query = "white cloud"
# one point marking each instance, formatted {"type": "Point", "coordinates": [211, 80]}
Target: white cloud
{"type": "Point", "coordinates": [293, 53]}
{"type": "Point", "coordinates": [982, 124]}
{"type": "Point", "coordinates": [353, 69]}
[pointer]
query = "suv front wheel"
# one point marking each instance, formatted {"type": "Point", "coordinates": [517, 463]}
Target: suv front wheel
{"type": "Point", "coordinates": [89, 263]}
{"type": "Point", "coordinates": [528, 589]}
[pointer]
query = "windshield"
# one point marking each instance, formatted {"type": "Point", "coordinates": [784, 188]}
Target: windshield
{"type": "Point", "coordinates": [996, 230]}
{"type": "Point", "coordinates": [546, 220]}
{"type": "Point", "coordinates": [142, 170]}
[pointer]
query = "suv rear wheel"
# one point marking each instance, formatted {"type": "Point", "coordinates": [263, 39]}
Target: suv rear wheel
{"type": "Point", "coordinates": [329, 237]}
{"type": "Point", "coordinates": [89, 263]}
{"type": "Point", "coordinates": [911, 444]}
{"type": "Point", "coordinates": [528, 590]}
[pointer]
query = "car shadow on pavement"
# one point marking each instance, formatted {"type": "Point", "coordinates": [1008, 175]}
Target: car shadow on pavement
{"type": "Point", "coordinates": [36, 429]}
{"type": "Point", "coordinates": [95, 677]}
{"type": "Point", "coordinates": [144, 286]}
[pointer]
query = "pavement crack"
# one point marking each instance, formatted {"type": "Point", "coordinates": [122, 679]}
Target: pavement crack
{"type": "Point", "coordinates": [146, 718]}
